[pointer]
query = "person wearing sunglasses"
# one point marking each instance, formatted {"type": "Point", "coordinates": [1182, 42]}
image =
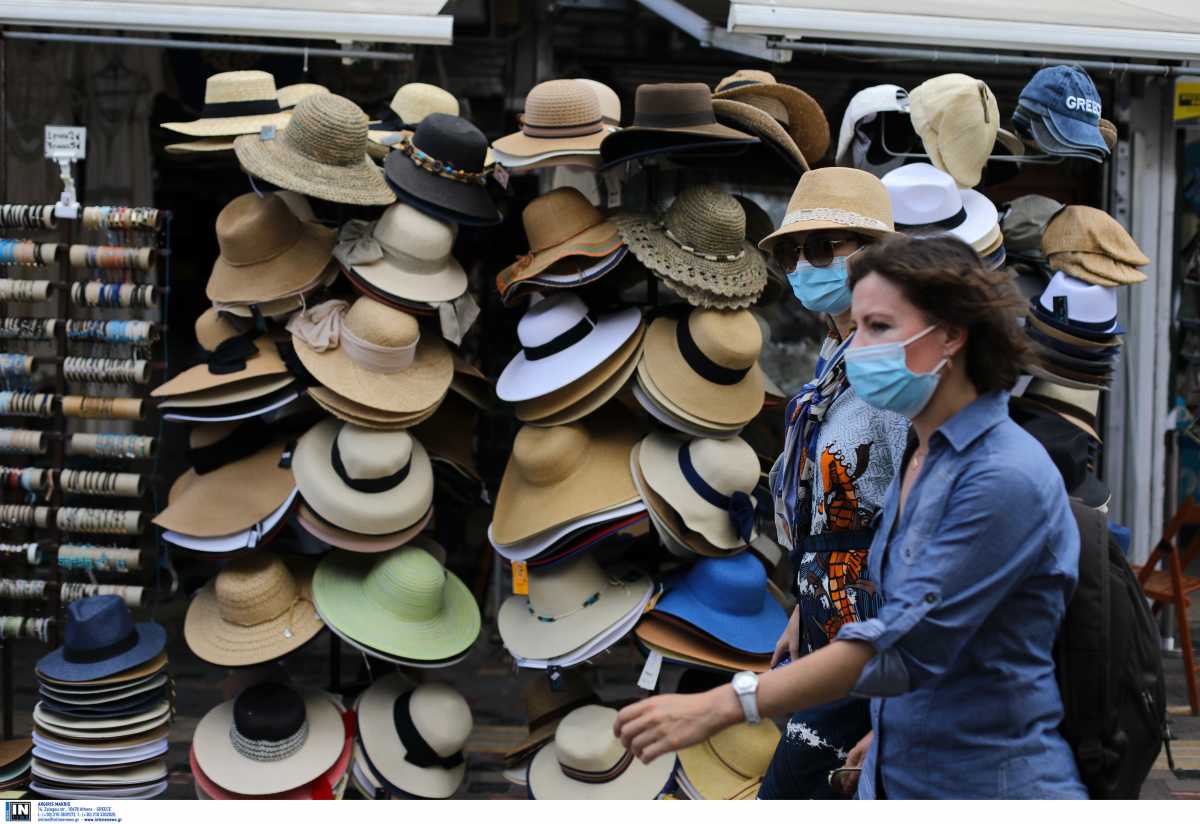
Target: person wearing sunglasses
{"type": "Point", "coordinates": [975, 557]}
{"type": "Point", "coordinates": [839, 456]}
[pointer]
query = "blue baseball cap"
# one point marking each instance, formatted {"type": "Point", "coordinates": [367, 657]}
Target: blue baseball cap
{"type": "Point", "coordinates": [1067, 98]}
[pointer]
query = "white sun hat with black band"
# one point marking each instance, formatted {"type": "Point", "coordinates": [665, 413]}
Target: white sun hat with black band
{"type": "Point", "coordinates": [561, 341]}
{"type": "Point", "coordinates": [235, 103]}
{"type": "Point", "coordinates": [926, 202]}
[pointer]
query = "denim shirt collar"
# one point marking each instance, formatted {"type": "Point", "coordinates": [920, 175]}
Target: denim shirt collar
{"type": "Point", "coordinates": [977, 418]}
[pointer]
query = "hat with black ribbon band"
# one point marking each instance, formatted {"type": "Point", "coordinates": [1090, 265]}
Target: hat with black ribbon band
{"type": "Point", "coordinates": [246, 439]}
{"type": "Point", "coordinates": [946, 224]}
{"type": "Point", "coordinates": [91, 655]}
{"type": "Point", "coordinates": [372, 486]}
{"type": "Point", "coordinates": [385, 787]}
{"type": "Point", "coordinates": [742, 508]}
{"type": "Point", "coordinates": [700, 363]}
{"type": "Point", "coordinates": [230, 355]}
{"type": "Point", "coordinates": [239, 108]}
{"type": "Point", "coordinates": [416, 749]}
{"type": "Point", "coordinates": [287, 353]}
{"type": "Point", "coordinates": [564, 341]}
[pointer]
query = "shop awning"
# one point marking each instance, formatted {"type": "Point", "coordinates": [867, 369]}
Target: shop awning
{"type": "Point", "coordinates": [372, 21]}
{"type": "Point", "coordinates": [1163, 29]}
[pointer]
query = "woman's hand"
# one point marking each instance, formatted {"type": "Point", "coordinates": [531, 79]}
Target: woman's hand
{"type": "Point", "coordinates": [789, 642]}
{"type": "Point", "coordinates": [848, 782]}
{"type": "Point", "coordinates": [668, 723]}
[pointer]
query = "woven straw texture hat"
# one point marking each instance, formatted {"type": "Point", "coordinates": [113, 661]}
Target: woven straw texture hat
{"type": "Point", "coordinates": [558, 225]}
{"type": "Point", "coordinates": [559, 115]}
{"type": "Point", "coordinates": [256, 610]}
{"type": "Point", "coordinates": [1091, 245]}
{"type": "Point", "coordinates": [213, 330]}
{"type": "Point", "coordinates": [339, 538]}
{"type": "Point", "coordinates": [677, 640]}
{"type": "Point", "coordinates": [957, 118]}
{"type": "Point", "coordinates": [836, 198]}
{"type": "Point", "coordinates": [755, 120]}
{"type": "Point", "coordinates": [719, 766]}
{"type": "Point", "coordinates": [235, 103]}
{"type": "Point", "coordinates": [700, 243]}
{"type": "Point", "coordinates": [322, 152]}
{"type": "Point", "coordinates": [411, 104]}
{"type": "Point", "coordinates": [610, 101]}
{"type": "Point", "coordinates": [366, 416]}
{"type": "Point", "coordinates": [290, 96]}
{"type": "Point", "coordinates": [801, 115]}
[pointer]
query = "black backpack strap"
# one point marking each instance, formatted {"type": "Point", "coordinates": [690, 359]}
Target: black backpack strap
{"type": "Point", "coordinates": [1086, 644]}
{"type": "Point", "coordinates": [848, 541]}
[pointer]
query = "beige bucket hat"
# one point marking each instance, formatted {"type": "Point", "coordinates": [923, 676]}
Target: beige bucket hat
{"type": "Point", "coordinates": [322, 152]}
{"type": "Point", "coordinates": [230, 358]}
{"type": "Point", "coordinates": [235, 103]}
{"type": "Point", "coordinates": [257, 609]}
{"type": "Point", "coordinates": [584, 751]}
{"type": "Point", "coordinates": [373, 354]}
{"type": "Point", "coordinates": [560, 115]}
{"type": "Point", "coordinates": [363, 480]}
{"type": "Point", "coordinates": [958, 120]}
{"type": "Point", "coordinates": [267, 253]}
{"type": "Point", "coordinates": [793, 108]}
{"type": "Point", "coordinates": [836, 198]}
{"type": "Point", "coordinates": [560, 473]}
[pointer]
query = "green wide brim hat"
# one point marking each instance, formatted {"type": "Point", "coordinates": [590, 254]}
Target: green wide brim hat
{"type": "Point", "coordinates": [403, 603]}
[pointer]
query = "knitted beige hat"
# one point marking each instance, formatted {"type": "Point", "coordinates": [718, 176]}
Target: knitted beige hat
{"type": "Point", "coordinates": [321, 152]}
{"type": "Point", "coordinates": [235, 103]}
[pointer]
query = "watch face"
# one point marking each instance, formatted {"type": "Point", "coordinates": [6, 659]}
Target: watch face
{"type": "Point", "coordinates": [743, 681]}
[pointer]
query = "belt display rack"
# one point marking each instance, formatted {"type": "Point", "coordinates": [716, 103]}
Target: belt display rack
{"type": "Point", "coordinates": [81, 328]}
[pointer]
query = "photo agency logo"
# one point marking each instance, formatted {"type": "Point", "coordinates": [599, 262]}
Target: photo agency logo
{"type": "Point", "coordinates": [18, 810]}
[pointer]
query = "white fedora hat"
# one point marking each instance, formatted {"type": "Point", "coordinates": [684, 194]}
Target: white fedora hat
{"type": "Point", "coordinates": [1087, 303]}
{"type": "Point", "coordinates": [926, 201]}
{"type": "Point", "coordinates": [561, 341]}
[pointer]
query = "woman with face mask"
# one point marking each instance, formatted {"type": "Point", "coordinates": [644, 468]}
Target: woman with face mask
{"type": "Point", "coordinates": [840, 454]}
{"type": "Point", "coordinates": [975, 557]}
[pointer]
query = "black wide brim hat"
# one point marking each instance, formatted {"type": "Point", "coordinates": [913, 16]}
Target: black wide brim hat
{"type": "Point", "coordinates": [467, 204]}
{"type": "Point", "coordinates": [634, 143]}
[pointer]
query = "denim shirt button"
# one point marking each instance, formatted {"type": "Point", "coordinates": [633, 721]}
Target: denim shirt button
{"type": "Point", "coordinates": [930, 598]}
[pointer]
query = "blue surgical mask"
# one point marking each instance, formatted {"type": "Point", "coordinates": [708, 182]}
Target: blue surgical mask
{"type": "Point", "coordinates": [881, 377]}
{"type": "Point", "coordinates": [822, 288]}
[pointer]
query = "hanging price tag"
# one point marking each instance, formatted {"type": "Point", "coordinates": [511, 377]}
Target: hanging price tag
{"type": "Point", "coordinates": [501, 175]}
{"type": "Point", "coordinates": [520, 572]}
{"type": "Point", "coordinates": [649, 677]}
{"type": "Point", "coordinates": [66, 142]}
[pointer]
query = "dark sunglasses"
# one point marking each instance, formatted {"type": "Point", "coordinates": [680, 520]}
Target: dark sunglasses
{"type": "Point", "coordinates": [818, 250]}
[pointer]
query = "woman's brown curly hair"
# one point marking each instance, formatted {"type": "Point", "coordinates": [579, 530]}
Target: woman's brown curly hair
{"type": "Point", "coordinates": [946, 280]}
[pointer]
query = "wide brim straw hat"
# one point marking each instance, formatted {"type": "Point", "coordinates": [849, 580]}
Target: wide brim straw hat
{"type": "Point", "coordinates": [102, 729]}
{"type": "Point", "coordinates": [211, 331]}
{"type": "Point", "coordinates": [232, 89]}
{"type": "Point", "coordinates": [230, 498]}
{"type": "Point", "coordinates": [249, 584]}
{"type": "Point", "coordinates": [231, 770]}
{"type": "Point", "coordinates": [370, 513]}
{"type": "Point", "coordinates": [663, 410]}
{"type": "Point", "coordinates": [340, 538]}
{"type": "Point", "coordinates": [346, 582]}
{"type": "Point", "coordinates": [730, 404]}
{"type": "Point", "coordinates": [333, 778]}
{"type": "Point", "coordinates": [1072, 380]}
{"type": "Point", "coordinates": [836, 198]}
{"type": "Point", "coordinates": [290, 96]}
{"type": "Point", "coordinates": [666, 521]}
{"type": "Point", "coordinates": [587, 394]}
{"type": "Point", "coordinates": [205, 145]}
{"type": "Point", "coordinates": [558, 474]}
{"type": "Point", "coordinates": [1110, 341]}
{"type": "Point", "coordinates": [547, 219]}
{"type": "Point", "coordinates": [322, 152]}
{"type": "Point", "coordinates": [229, 395]}
{"type": "Point", "coordinates": [807, 124]}
{"type": "Point", "coordinates": [755, 120]}
{"type": "Point", "coordinates": [1096, 268]}
{"type": "Point", "coordinates": [356, 413]}
{"type": "Point", "coordinates": [436, 712]}
{"type": "Point", "coordinates": [721, 765]}
{"type": "Point", "coordinates": [441, 282]}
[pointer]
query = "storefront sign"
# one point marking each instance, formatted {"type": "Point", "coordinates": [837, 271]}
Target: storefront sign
{"type": "Point", "coordinates": [1187, 99]}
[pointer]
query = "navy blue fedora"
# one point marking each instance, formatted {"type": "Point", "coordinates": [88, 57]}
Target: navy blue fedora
{"type": "Point", "coordinates": [100, 640]}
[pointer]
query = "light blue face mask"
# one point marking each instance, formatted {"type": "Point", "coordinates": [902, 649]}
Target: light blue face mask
{"type": "Point", "coordinates": [822, 288]}
{"type": "Point", "coordinates": [881, 377]}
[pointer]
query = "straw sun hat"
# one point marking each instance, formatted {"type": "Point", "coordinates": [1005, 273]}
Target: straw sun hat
{"type": "Point", "coordinates": [836, 198]}
{"type": "Point", "coordinates": [230, 358]}
{"type": "Point", "coordinates": [721, 765]}
{"type": "Point", "coordinates": [235, 103]}
{"type": "Point", "coordinates": [774, 136]}
{"type": "Point", "coordinates": [322, 152]}
{"type": "Point", "coordinates": [411, 104]}
{"type": "Point", "coordinates": [794, 109]}
{"type": "Point", "coordinates": [700, 244]}
{"type": "Point", "coordinates": [257, 609]}
{"type": "Point", "coordinates": [560, 115]}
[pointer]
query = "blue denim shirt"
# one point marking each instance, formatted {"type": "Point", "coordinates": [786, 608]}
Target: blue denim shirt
{"type": "Point", "coordinates": [975, 577]}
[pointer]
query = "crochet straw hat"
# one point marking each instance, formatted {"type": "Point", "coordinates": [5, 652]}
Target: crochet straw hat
{"type": "Point", "coordinates": [560, 224]}
{"type": "Point", "coordinates": [257, 609]}
{"type": "Point", "coordinates": [266, 251]}
{"type": "Point", "coordinates": [755, 120]}
{"type": "Point", "coordinates": [322, 152]}
{"type": "Point", "coordinates": [836, 198]}
{"type": "Point", "coordinates": [235, 103]}
{"type": "Point", "coordinates": [559, 115]}
{"type": "Point", "coordinates": [800, 114]}
{"type": "Point", "coordinates": [402, 603]}
{"type": "Point", "coordinates": [700, 243]}
{"type": "Point", "coordinates": [239, 362]}
{"type": "Point", "coordinates": [719, 766]}
{"type": "Point", "coordinates": [610, 101]}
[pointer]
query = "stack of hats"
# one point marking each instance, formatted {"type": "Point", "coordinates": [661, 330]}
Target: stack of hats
{"type": "Point", "coordinates": [363, 490]}
{"type": "Point", "coordinates": [572, 360]}
{"type": "Point", "coordinates": [586, 762]}
{"type": "Point", "coordinates": [720, 613]}
{"type": "Point", "coordinates": [1059, 111]}
{"type": "Point", "coordinates": [546, 704]}
{"type": "Point", "coordinates": [570, 244]}
{"type": "Point", "coordinates": [257, 610]}
{"type": "Point", "coordinates": [401, 606]}
{"type": "Point", "coordinates": [235, 103]}
{"type": "Point", "coordinates": [700, 494]}
{"type": "Point", "coordinates": [673, 119]}
{"type": "Point", "coordinates": [1073, 330]}
{"type": "Point", "coordinates": [566, 487]}
{"type": "Point", "coordinates": [370, 363]}
{"type": "Point", "coordinates": [321, 152]}
{"type": "Point", "coordinates": [730, 765]}
{"type": "Point", "coordinates": [562, 125]}
{"type": "Point", "coordinates": [411, 104]}
{"type": "Point", "coordinates": [273, 741]}
{"type": "Point", "coordinates": [791, 125]}
{"type": "Point", "coordinates": [16, 764]}
{"type": "Point", "coordinates": [699, 249]}
{"type": "Point", "coordinates": [240, 375]}
{"type": "Point", "coordinates": [926, 202]}
{"type": "Point", "coordinates": [237, 493]}
{"type": "Point", "coordinates": [1091, 245]}
{"type": "Point", "coordinates": [410, 741]}
{"type": "Point", "coordinates": [1023, 221]}
{"type": "Point", "coordinates": [105, 707]}
{"type": "Point", "coordinates": [699, 372]}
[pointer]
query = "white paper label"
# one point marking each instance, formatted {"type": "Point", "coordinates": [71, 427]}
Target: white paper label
{"type": "Point", "coordinates": [66, 142]}
{"type": "Point", "coordinates": [501, 175]}
{"type": "Point", "coordinates": [649, 677]}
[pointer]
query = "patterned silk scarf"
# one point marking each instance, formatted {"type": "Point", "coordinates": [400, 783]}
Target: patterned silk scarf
{"type": "Point", "coordinates": [790, 489]}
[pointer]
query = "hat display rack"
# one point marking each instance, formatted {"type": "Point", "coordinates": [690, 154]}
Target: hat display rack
{"type": "Point", "coordinates": [81, 329]}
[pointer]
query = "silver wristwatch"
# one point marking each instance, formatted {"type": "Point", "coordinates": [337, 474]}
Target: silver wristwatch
{"type": "Point", "coordinates": [745, 684]}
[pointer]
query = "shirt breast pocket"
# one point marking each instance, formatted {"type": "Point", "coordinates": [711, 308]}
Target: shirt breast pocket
{"type": "Point", "coordinates": [924, 519]}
